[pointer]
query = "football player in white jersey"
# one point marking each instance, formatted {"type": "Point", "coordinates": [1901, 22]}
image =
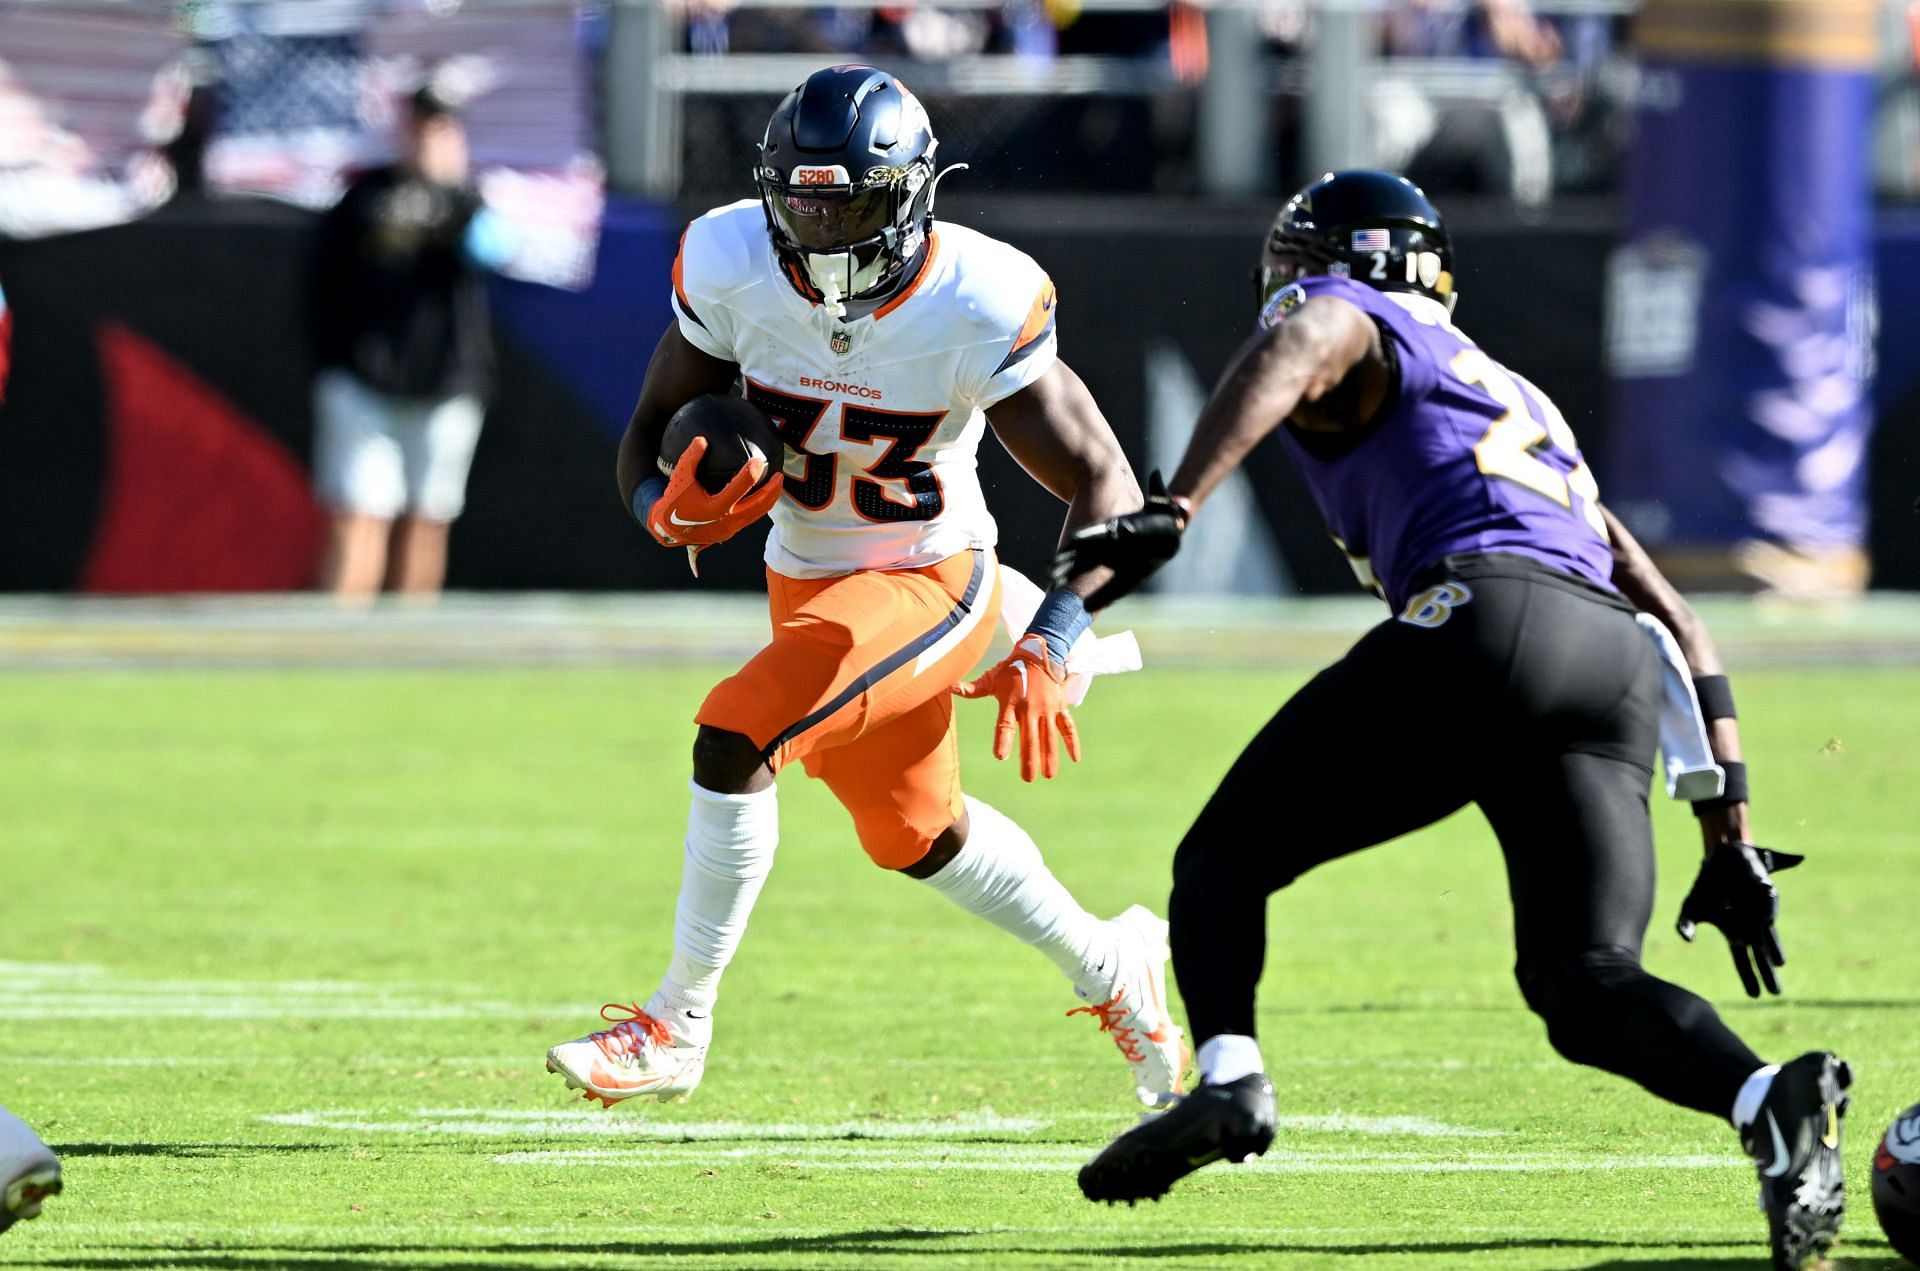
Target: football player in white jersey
{"type": "Point", "coordinates": [881, 348]}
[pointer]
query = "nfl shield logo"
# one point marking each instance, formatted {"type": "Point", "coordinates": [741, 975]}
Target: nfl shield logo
{"type": "Point", "coordinates": [840, 341]}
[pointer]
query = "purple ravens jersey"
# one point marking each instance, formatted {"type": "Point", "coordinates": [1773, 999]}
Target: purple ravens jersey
{"type": "Point", "coordinates": [1468, 457]}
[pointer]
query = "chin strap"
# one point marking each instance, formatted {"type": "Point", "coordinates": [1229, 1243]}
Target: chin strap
{"type": "Point", "coordinates": [830, 301]}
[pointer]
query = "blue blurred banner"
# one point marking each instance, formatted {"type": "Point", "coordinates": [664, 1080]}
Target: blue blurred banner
{"type": "Point", "coordinates": [1740, 300]}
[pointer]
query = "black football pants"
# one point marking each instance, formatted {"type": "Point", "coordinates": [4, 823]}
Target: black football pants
{"type": "Point", "coordinates": [1536, 699]}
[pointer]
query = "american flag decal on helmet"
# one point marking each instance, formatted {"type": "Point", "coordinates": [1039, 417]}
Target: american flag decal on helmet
{"type": "Point", "coordinates": [1372, 240]}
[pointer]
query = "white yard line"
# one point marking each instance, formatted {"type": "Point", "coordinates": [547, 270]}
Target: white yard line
{"type": "Point", "coordinates": [1341, 1123]}
{"type": "Point", "coordinates": [39, 991]}
{"type": "Point", "coordinates": [595, 1123]}
{"type": "Point", "coordinates": [411, 1235]}
{"type": "Point", "coordinates": [1049, 1158]}
{"type": "Point", "coordinates": [504, 1122]}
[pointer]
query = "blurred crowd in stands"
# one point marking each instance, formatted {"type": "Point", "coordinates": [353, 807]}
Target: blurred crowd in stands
{"type": "Point", "coordinates": [1555, 123]}
{"type": "Point", "coordinates": [928, 32]}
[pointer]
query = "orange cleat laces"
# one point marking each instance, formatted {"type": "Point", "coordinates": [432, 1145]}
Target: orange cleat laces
{"type": "Point", "coordinates": [632, 1029]}
{"type": "Point", "coordinates": [1109, 1013]}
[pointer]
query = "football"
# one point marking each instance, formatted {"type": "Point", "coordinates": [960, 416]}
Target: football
{"type": "Point", "coordinates": [1896, 1184]}
{"type": "Point", "coordinates": [737, 432]}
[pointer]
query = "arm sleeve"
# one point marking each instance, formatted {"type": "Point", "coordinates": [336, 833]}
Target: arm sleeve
{"type": "Point", "coordinates": [704, 321]}
{"type": "Point", "coordinates": [1027, 351]}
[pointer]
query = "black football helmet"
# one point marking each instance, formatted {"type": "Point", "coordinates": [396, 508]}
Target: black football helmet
{"type": "Point", "coordinates": [1374, 227]}
{"type": "Point", "coordinates": [846, 178]}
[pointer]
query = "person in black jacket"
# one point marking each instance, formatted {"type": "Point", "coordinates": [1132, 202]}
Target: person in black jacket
{"type": "Point", "coordinates": [405, 352]}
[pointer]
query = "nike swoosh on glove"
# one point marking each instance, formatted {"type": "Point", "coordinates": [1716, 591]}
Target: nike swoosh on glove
{"type": "Point", "coordinates": [1030, 687]}
{"type": "Point", "coordinates": [685, 515]}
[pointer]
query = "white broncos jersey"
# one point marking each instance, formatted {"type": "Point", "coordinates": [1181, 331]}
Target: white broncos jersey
{"type": "Point", "coordinates": [882, 415]}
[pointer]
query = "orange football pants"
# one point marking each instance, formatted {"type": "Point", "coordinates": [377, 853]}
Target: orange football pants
{"type": "Point", "coordinates": [855, 686]}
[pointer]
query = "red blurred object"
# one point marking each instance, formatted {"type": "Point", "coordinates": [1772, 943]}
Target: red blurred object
{"type": "Point", "coordinates": [197, 496]}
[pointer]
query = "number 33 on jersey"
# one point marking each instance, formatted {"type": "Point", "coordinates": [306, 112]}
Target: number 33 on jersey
{"type": "Point", "coordinates": [882, 414]}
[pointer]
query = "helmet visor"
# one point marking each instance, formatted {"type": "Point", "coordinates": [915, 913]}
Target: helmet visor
{"type": "Point", "coordinates": [831, 220]}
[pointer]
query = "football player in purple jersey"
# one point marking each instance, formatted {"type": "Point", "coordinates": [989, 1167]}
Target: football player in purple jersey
{"type": "Point", "coordinates": [1512, 673]}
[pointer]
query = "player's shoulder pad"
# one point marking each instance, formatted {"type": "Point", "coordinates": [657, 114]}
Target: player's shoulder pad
{"type": "Point", "coordinates": [1291, 297]}
{"type": "Point", "coordinates": [999, 291]}
{"type": "Point", "coordinates": [721, 252]}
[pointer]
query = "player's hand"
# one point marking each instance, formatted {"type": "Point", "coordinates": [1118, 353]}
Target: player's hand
{"type": "Point", "coordinates": [1031, 688]}
{"type": "Point", "coordinates": [1132, 546]}
{"type": "Point", "coordinates": [1735, 893]}
{"type": "Point", "coordinates": [685, 515]}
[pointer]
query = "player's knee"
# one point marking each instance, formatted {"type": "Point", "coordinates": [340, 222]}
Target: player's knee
{"type": "Point", "coordinates": [1207, 864]}
{"type": "Point", "coordinates": [917, 858]}
{"type": "Point", "coordinates": [1581, 998]}
{"type": "Point", "coordinates": [890, 843]}
{"type": "Point", "coordinates": [727, 763]}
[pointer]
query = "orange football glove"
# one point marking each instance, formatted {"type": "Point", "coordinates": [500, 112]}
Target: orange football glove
{"type": "Point", "coordinates": [1032, 693]}
{"type": "Point", "coordinates": [685, 515]}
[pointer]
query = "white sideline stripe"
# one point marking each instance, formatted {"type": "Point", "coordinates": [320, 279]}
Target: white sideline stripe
{"type": "Point", "coordinates": [1343, 1123]}
{"type": "Point", "coordinates": [1090, 1063]}
{"type": "Point", "coordinates": [766, 1061]}
{"type": "Point", "coordinates": [595, 1123]}
{"type": "Point", "coordinates": [1048, 1159]}
{"type": "Point", "coordinates": [279, 1008]}
{"type": "Point", "coordinates": [500, 1122]}
{"type": "Point", "coordinates": [411, 1063]}
{"type": "Point", "coordinates": [43, 990]}
{"type": "Point", "coordinates": [408, 1236]}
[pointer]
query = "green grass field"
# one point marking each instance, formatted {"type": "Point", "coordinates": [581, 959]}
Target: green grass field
{"type": "Point", "coordinates": [281, 949]}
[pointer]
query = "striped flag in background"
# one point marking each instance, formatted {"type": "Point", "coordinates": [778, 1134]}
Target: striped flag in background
{"type": "Point", "coordinates": [307, 91]}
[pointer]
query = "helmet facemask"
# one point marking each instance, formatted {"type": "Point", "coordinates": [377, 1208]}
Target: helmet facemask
{"type": "Point", "coordinates": [1375, 228]}
{"type": "Point", "coordinates": [1298, 257]}
{"type": "Point", "coordinates": [848, 240]}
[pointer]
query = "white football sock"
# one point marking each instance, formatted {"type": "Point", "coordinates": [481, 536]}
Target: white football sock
{"type": "Point", "coordinates": [730, 842]}
{"type": "Point", "coordinates": [1228, 1057]}
{"type": "Point", "coordinates": [999, 876]}
{"type": "Point", "coordinates": [1746, 1104]}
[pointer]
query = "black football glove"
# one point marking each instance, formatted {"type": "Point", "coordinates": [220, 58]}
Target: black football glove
{"type": "Point", "coordinates": [1132, 546]}
{"type": "Point", "coordinates": [1735, 893]}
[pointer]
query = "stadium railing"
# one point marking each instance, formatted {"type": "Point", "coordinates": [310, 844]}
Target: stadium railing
{"type": "Point", "coordinates": [685, 128]}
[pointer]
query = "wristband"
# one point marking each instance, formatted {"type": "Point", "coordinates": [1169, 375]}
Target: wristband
{"type": "Point", "coordinates": [1735, 790]}
{"type": "Point", "coordinates": [1061, 618]}
{"type": "Point", "coordinates": [645, 495]}
{"type": "Point", "coordinates": [1716, 697]}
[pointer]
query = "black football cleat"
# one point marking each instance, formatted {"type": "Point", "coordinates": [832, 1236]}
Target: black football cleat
{"type": "Point", "coordinates": [1226, 1122]}
{"type": "Point", "coordinates": [1795, 1145]}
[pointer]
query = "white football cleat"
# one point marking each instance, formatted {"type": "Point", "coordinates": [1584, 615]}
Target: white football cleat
{"type": "Point", "coordinates": [635, 1058]}
{"type": "Point", "coordinates": [29, 1171]}
{"type": "Point", "coordinates": [1134, 1011]}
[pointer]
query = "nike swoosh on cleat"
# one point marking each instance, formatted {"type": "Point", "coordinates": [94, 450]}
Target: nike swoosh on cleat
{"type": "Point", "coordinates": [1780, 1159]}
{"type": "Point", "coordinates": [674, 518]}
